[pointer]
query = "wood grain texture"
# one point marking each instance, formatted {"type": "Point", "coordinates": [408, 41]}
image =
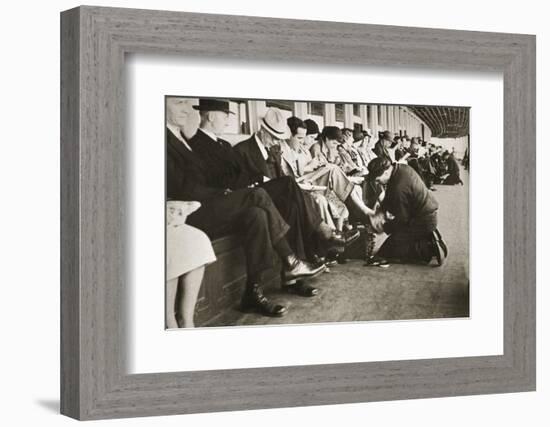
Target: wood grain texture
{"type": "Point", "coordinates": [70, 292]}
{"type": "Point", "coordinates": [95, 235]}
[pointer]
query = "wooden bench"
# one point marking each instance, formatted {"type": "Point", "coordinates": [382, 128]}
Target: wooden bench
{"type": "Point", "coordinates": [225, 280]}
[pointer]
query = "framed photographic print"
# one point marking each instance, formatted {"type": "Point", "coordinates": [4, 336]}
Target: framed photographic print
{"type": "Point", "coordinates": [281, 213]}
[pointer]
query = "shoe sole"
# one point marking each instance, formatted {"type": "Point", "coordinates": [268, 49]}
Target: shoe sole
{"type": "Point", "coordinates": [376, 265]}
{"type": "Point", "coordinates": [290, 290]}
{"type": "Point", "coordinates": [442, 242]}
{"type": "Point", "coordinates": [249, 310]}
{"type": "Point", "coordinates": [439, 251]}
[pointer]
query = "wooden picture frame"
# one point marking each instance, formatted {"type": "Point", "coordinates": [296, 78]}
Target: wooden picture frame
{"type": "Point", "coordinates": [94, 382]}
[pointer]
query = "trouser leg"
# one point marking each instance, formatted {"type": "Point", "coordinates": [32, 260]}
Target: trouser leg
{"type": "Point", "coordinates": [404, 246]}
{"type": "Point", "coordinates": [257, 244]}
{"type": "Point", "coordinates": [299, 213]}
{"type": "Point", "coordinates": [413, 242]}
{"type": "Point", "coordinates": [275, 222]}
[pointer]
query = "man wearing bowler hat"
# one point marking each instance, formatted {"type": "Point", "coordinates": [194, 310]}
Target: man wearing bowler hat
{"type": "Point", "coordinates": [249, 210]}
{"type": "Point", "coordinates": [226, 169]}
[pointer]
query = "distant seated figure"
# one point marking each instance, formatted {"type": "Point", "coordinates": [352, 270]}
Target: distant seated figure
{"type": "Point", "coordinates": [188, 251]}
{"type": "Point", "coordinates": [382, 148]}
{"type": "Point", "coordinates": [362, 143]}
{"type": "Point", "coordinates": [351, 154]}
{"type": "Point", "coordinates": [420, 163]}
{"type": "Point", "coordinates": [413, 235]}
{"type": "Point", "coordinates": [452, 169]}
{"type": "Point", "coordinates": [400, 152]}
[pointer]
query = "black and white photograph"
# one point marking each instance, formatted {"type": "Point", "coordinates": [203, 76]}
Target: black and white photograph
{"type": "Point", "coordinates": [275, 214]}
{"type": "Point", "coordinates": [303, 212]}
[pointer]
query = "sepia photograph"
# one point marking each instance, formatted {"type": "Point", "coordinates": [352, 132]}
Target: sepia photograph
{"type": "Point", "coordinates": [293, 212]}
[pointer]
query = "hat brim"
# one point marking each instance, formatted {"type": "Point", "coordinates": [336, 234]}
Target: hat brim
{"type": "Point", "coordinates": [284, 135]}
{"type": "Point", "coordinates": [199, 108]}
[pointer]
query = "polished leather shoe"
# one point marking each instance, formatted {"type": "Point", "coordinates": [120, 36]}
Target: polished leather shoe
{"type": "Point", "coordinates": [298, 269]}
{"type": "Point", "coordinates": [301, 288]}
{"type": "Point", "coordinates": [375, 261]}
{"type": "Point", "coordinates": [318, 260]}
{"type": "Point", "coordinates": [332, 257]}
{"type": "Point", "coordinates": [254, 300]}
{"type": "Point", "coordinates": [440, 240]}
{"type": "Point", "coordinates": [336, 240]}
{"type": "Point", "coordinates": [438, 251]}
{"type": "Point", "coordinates": [351, 236]}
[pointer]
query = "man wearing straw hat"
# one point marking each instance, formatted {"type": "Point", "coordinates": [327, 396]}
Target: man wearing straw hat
{"type": "Point", "coordinates": [226, 169]}
{"type": "Point", "coordinates": [249, 210]}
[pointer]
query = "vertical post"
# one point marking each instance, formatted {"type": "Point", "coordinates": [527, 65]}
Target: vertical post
{"type": "Point", "coordinates": [363, 112]}
{"type": "Point", "coordinates": [330, 114]}
{"type": "Point", "coordinates": [300, 110]}
{"type": "Point", "coordinates": [373, 117]}
{"type": "Point", "coordinates": [348, 116]}
{"type": "Point", "coordinates": [256, 110]}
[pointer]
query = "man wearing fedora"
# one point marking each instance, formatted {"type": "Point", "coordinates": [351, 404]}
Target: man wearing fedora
{"type": "Point", "coordinates": [249, 210]}
{"type": "Point", "coordinates": [263, 157]}
{"type": "Point", "coordinates": [226, 169]}
{"type": "Point", "coordinates": [262, 151]}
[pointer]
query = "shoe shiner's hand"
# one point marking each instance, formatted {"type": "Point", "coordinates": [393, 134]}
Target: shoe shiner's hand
{"type": "Point", "coordinates": [377, 221]}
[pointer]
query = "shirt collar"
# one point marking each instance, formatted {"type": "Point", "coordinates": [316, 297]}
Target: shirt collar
{"type": "Point", "coordinates": [177, 133]}
{"type": "Point", "coordinates": [261, 146]}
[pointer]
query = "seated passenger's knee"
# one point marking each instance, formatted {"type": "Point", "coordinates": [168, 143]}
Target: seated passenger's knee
{"type": "Point", "coordinates": [260, 196]}
{"type": "Point", "coordinates": [254, 215]}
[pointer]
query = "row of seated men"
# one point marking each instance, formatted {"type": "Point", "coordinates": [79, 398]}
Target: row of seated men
{"type": "Point", "coordinates": [431, 162]}
{"type": "Point", "coordinates": [291, 190]}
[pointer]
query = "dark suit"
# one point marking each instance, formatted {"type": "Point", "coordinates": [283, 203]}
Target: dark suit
{"type": "Point", "coordinates": [250, 212]}
{"type": "Point", "coordinates": [224, 167]}
{"type": "Point", "coordinates": [454, 172]}
{"type": "Point", "coordinates": [414, 162]}
{"type": "Point", "coordinates": [415, 211]}
{"type": "Point", "coordinates": [227, 168]}
{"type": "Point", "coordinates": [255, 162]}
{"type": "Point", "coordinates": [381, 151]}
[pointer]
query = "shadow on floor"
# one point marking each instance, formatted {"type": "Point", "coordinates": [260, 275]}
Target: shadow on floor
{"type": "Point", "coordinates": [52, 405]}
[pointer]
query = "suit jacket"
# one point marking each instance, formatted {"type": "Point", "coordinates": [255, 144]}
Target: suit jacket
{"type": "Point", "coordinates": [407, 198]}
{"type": "Point", "coordinates": [223, 166]}
{"type": "Point", "coordinates": [289, 161]}
{"type": "Point", "coordinates": [454, 171]}
{"type": "Point", "coordinates": [185, 175]}
{"type": "Point", "coordinates": [381, 151]}
{"type": "Point", "coordinates": [257, 166]}
{"type": "Point", "coordinates": [452, 166]}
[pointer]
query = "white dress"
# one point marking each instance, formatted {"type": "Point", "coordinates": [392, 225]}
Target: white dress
{"type": "Point", "coordinates": [187, 247]}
